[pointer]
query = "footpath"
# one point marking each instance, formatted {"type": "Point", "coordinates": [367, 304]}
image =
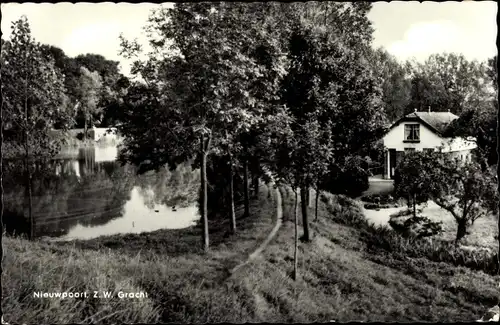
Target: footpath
{"type": "Point", "coordinates": [272, 234]}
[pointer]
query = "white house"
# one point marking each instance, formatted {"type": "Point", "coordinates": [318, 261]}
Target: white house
{"type": "Point", "coordinates": [421, 131]}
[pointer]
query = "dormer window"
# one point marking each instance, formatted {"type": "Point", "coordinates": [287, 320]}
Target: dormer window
{"type": "Point", "coordinates": [412, 132]}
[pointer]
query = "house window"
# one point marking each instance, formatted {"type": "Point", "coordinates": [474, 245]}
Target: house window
{"type": "Point", "coordinates": [412, 132]}
{"type": "Point", "coordinates": [409, 150]}
{"type": "Point", "coordinates": [428, 150]}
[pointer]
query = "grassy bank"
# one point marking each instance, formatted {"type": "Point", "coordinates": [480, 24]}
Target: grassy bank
{"type": "Point", "coordinates": [182, 283]}
{"type": "Point", "coordinates": [343, 276]}
{"type": "Point", "coordinates": [346, 277]}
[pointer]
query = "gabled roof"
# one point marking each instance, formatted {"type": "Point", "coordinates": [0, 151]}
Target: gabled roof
{"type": "Point", "coordinates": [436, 121]}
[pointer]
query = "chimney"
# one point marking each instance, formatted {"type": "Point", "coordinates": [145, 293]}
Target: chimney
{"type": "Point", "coordinates": [429, 108]}
{"type": "Point", "coordinates": [415, 110]}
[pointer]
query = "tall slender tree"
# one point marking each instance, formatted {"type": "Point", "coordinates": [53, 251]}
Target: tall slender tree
{"type": "Point", "coordinates": [210, 63]}
{"type": "Point", "coordinates": [88, 95]}
{"type": "Point", "coordinates": [32, 100]}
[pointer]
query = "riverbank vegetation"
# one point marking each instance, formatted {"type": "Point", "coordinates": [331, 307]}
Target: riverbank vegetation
{"type": "Point", "coordinates": [291, 95]}
{"type": "Point", "coordinates": [346, 271]}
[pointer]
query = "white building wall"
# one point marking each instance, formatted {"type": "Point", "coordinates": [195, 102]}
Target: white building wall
{"type": "Point", "coordinates": [394, 139]}
{"type": "Point", "coordinates": [103, 132]}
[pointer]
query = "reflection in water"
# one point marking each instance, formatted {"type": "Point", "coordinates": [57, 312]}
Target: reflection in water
{"type": "Point", "coordinates": [139, 218]}
{"type": "Point", "coordinates": [87, 194]}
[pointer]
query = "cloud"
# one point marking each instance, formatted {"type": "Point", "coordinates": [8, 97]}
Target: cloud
{"type": "Point", "coordinates": [426, 38]}
{"type": "Point", "coordinates": [97, 37]}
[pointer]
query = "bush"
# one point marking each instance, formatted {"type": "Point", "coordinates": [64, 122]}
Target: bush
{"type": "Point", "coordinates": [381, 201]}
{"type": "Point", "coordinates": [351, 182]}
{"type": "Point", "coordinates": [384, 240]}
{"type": "Point", "coordinates": [80, 136]}
{"type": "Point", "coordinates": [433, 250]}
{"type": "Point", "coordinates": [379, 198]}
{"type": "Point", "coordinates": [344, 210]}
{"type": "Point", "coordinates": [415, 227]}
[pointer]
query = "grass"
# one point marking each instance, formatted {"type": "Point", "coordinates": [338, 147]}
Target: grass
{"type": "Point", "coordinates": [345, 275]}
{"type": "Point", "coordinates": [340, 279]}
{"type": "Point", "coordinates": [183, 284]}
{"type": "Point", "coordinates": [384, 285]}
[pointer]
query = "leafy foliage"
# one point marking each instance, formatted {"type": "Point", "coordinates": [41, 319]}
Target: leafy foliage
{"type": "Point", "coordinates": [212, 87]}
{"type": "Point", "coordinates": [395, 83]}
{"type": "Point", "coordinates": [33, 100]}
{"type": "Point", "coordinates": [447, 82]}
{"type": "Point", "coordinates": [113, 83]}
{"type": "Point", "coordinates": [414, 178]}
{"type": "Point", "coordinates": [415, 227]}
{"type": "Point", "coordinates": [480, 120]}
{"type": "Point", "coordinates": [33, 96]}
{"type": "Point", "coordinates": [461, 188]}
{"type": "Point", "coordinates": [350, 178]}
{"type": "Point", "coordinates": [88, 94]}
{"type": "Point", "coordinates": [466, 191]}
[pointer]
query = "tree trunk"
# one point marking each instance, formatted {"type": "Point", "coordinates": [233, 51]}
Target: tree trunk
{"type": "Point", "coordinates": [316, 205]}
{"type": "Point", "coordinates": [461, 231]}
{"type": "Point", "coordinates": [255, 184]}
{"type": "Point", "coordinates": [498, 213]}
{"type": "Point", "coordinates": [296, 240]}
{"type": "Point", "coordinates": [231, 196]}
{"type": "Point", "coordinates": [85, 126]}
{"type": "Point", "coordinates": [245, 190]}
{"type": "Point", "coordinates": [204, 194]}
{"type": "Point", "coordinates": [305, 218]}
{"type": "Point", "coordinates": [30, 208]}
{"type": "Point", "coordinates": [498, 238]}
{"type": "Point", "coordinates": [414, 205]}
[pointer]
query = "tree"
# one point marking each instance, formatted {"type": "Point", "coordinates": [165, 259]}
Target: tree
{"type": "Point", "coordinates": [68, 67]}
{"type": "Point", "coordinates": [113, 85]}
{"type": "Point", "coordinates": [303, 91]}
{"type": "Point", "coordinates": [327, 87]}
{"type": "Point", "coordinates": [211, 79]}
{"type": "Point", "coordinates": [492, 71]}
{"type": "Point", "coordinates": [447, 82]}
{"type": "Point", "coordinates": [461, 188]}
{"type": "Point", "coordinates": [414, 178]}
{"type": "Point", "coordinates": [113, 82]}
{"type": "Point", "coordinates": [480, 120]}
{"type": "Point", "coordinates": [464, 190]}
{"type": "Point", "coordinates": [88, 95]}
{"type": "Point", "coordinates": [395, 83]}
{"type": "Point", "coordinates": [33, 99]}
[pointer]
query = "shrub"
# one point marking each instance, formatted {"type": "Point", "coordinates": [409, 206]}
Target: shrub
{"type": "Point", "coordinates": [378, 240]}
{"type": "Point", "coordinates": [381, 201]}
{"type": "Point", "coordinates": [379, 198]}
{"type": "Point", "coordinates": [351, 182]}
{"type": "Point", "coordinates": [415, 227]}
{"type": "Point", "coordinates": [375, 206]}
{"type": "Point", "coordinates": [80, 136]}
{"type": "Point", "coordinates": [344, 210]}
{"type": "Point", "coordinates": [405, 213]}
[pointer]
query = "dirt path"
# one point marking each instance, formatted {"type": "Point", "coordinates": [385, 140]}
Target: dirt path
{"type": "Point", "coordinates": [272, 234]}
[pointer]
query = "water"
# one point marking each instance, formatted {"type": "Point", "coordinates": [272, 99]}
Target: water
{"type": "Point", "coordinates": [85, 193]}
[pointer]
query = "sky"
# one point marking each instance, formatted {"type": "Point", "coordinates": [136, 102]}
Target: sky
{"type": "Point", "coordinates": [406, 29]}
